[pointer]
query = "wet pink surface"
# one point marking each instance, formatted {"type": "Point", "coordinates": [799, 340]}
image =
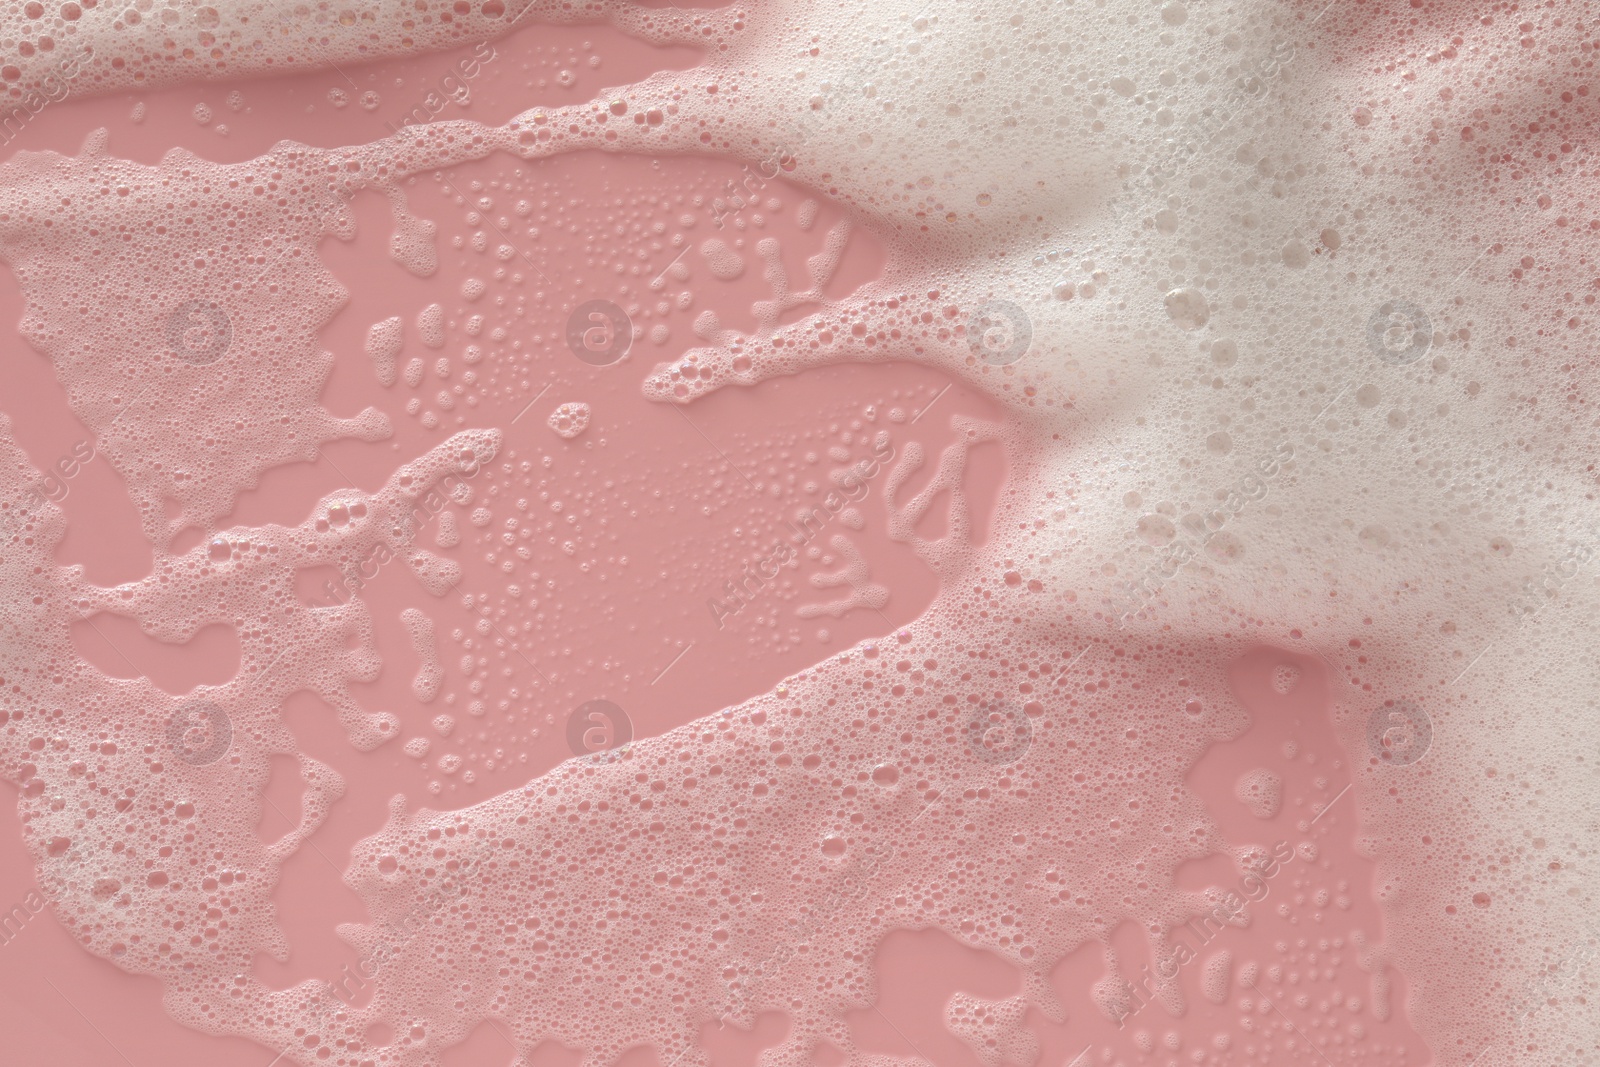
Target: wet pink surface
{"type": "Point", "coordinates": [643, 638]}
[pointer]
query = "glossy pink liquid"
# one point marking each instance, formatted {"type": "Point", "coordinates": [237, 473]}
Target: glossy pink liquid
{"type": "Point", "coordinates": [645, 637]}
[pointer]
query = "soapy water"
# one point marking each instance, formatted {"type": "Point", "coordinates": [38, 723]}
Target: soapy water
{"type": "Point", "coordinates": [1280, 318]}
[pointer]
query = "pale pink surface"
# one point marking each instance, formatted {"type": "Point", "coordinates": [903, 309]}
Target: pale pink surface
{"type": "Point", "coordinates": [642, 625]}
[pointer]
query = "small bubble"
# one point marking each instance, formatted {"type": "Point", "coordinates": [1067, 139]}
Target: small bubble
{"type": "Point", "coordinates": [569, 420]}
{"type": "Point", "coordinates": [1188, 308]}
{"type": "Point", "coordinates": [1224, 547]}
{"type": "Point", "coordinates": [1373, 538]}
{"type": "Point", "coordinates": [1285, 676]}
{"type": "Point", "coordinates": [1156, 530]}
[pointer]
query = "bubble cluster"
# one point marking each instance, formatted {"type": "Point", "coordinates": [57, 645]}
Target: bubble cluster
{"type": "Point", "coordinates": [1313, 362]}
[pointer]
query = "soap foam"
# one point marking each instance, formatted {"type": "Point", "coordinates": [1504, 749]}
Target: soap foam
{"type": "Point", "coordinates": [1306, 363]}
